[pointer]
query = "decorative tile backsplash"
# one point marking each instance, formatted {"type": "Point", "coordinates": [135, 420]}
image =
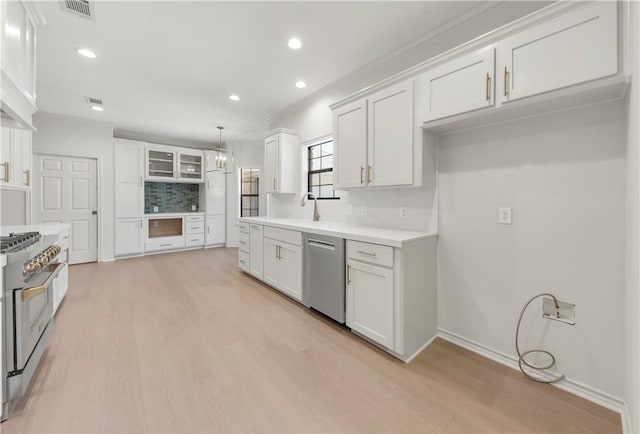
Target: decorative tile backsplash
{"type": "Point", "coordinates": [170, 197]}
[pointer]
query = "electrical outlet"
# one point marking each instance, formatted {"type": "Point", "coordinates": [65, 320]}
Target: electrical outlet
{"type": "Point", "coordinates": [194, 208]}
{"type": "Point", "coordinates": [404, 212]}
{"type": "Point", "coordinates": [348, 209]}
{"type": "Point", "coordinates": [566, 313]}
{"type": "Point", "coordinates": [363, 210]}
{"type": "Point", "coordinates": [155, 209]}
{"type": "Point", "coordinates": [504, 216]}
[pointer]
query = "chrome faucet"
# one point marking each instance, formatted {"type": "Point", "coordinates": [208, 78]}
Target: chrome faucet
{"type": "Point", "coordinates": [316, 216]}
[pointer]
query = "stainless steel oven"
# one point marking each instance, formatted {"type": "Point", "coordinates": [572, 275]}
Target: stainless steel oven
{"type": "Point", "coordinates": [28, 315]}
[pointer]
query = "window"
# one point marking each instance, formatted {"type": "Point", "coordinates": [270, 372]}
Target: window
{"type": "Point", "coordinates": [320, 181]}
{"type": "Point", "coordinates": [249, 192]}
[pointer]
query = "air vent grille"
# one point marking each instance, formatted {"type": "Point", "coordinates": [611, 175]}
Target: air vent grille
{"type": "Point", "coordinates": [80, 7]}
{"type": "Point", "coordinates": [93, 100]}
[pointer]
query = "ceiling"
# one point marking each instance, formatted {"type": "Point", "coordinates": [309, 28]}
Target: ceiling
{"type": "Point", "coordinates": [166, 69]}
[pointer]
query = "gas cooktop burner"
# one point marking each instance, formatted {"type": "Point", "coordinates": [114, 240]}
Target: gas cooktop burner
{"type": "Point", "coordinates": [18, 241]}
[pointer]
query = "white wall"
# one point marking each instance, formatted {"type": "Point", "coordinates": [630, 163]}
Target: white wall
{"type": "Point", "coordinates": [246, 155]}
{"type": "Point", "coordinates": [563, 175]}
{"type": "Point", "coordinates": [632, 300]}
{"type": "Point", "coordinates": [80, 137]}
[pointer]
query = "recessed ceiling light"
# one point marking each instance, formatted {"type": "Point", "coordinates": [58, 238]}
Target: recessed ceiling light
{"type": "Point", "coordinates": [234, 97]}
{"type": "Point", "coordinates": [295, 44]}
{"type": "Point", "coordinates": [301, 84]}
{"type": "Point", "coordinates": [86, 53]}
{"type": "Point", "coordinates": [97, 108]}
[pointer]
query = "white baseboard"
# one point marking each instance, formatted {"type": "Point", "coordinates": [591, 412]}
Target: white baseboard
{"type": "Point", "coordinates": [582, 390]}
{"type": "Point", "coordinates": [111, 259]}
{"type": "Point", "coordinates": [419, 350]}
{"type": "Point", "coordinates": [231, 245]}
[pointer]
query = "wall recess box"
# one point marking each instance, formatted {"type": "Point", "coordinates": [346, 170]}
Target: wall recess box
{"type": "Point", "coordinates": [566, 313]}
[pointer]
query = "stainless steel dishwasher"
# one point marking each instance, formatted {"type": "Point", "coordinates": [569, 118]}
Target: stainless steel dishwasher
{"type": "Point", "coordinates": [324, 287]}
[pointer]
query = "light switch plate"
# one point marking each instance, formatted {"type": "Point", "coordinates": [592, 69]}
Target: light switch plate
{"type": "Point", "coordinates": [363, 210]}
{"type": "Point", "coordinates": [348, 209]}
{"type": "Point", "coordinates": [155, 209]}
{"type": "Point", "coordinates": [193, 207]}
{"type": "Point", "coordinates": [504, 216]}
{"type": "Point", "coordinates": [566, 313]}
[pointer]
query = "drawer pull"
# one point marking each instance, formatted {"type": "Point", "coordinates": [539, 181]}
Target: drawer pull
{"type": "Point", "coordinates": [241, 261]}
{"type": "Point", "coordinates": [165, 245]}
{"type": "Point", "coordinates": [361, 174]}
{"type": "Point", "coordinates": [28, 178]}
{"type": "Point", "coordinates": [195, 239]}
{"type": "Point", "coordinates": [6, 171]}
{"type": "Point", "coordinates": [362, 252]}
{"type": "Point", "coordinates": [256, 227]}
{"type": "Point", "coordinates": [243, 242]}
{"type": "Point", "coordinates": [506, 82]}
{"type": "Point", "coordinates": [487, 95]}
{"type": "Point", "coordinates": [348, 274]}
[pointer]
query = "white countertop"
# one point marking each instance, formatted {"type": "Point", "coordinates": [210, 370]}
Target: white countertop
{"type": "Point", "coordinates": [44, 229]}
{"type": "Point", "coordinates": [173, 214]}
{"type": "Point", "coordinates": [387, 237]}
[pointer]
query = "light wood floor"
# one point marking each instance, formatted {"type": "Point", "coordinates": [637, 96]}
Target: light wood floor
{"type": "Point", "coordinates": [184, 342]}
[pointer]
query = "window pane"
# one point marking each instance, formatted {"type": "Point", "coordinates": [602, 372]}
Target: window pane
{"type": "Point", "coordinates": [314, 164]}
{"type": "Point", "coordinates": [327, 148]}
{"type": "Point", "coordinates": [327, 162]}
{"type": "Point", "coordinates": [316, 191]}
{"type": "Point", "coordinates": [254, 187]}
{"type": "Point", "coordinates": [315, 179]}
{"type": "Point", "coordinates": [314, 151]}
{"type": "Point", "coordinates": [254, 202]}
{"type": "Point", "coordinates": [246, 202]}
{"type": "Point", "coordinates": [325, 178]}
{"type": "Point", "coordinates": [326, 191]}
{"type": "Point", "coordinates": [246, 188]}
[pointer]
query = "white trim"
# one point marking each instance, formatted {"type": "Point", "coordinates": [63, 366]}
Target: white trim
{"type": "Point", "coordinates": [419, 350]}
{"type": "Point", "coordinates": [574, 387]}
{"type": "Point", "coordinates": [110, 259]}
{"type": "Point", "coordinates": [627, 426]}
{"type": "Point", "coordinates": [233, 245]}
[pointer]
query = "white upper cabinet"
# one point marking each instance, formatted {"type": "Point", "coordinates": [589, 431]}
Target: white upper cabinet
{"type": "Point", "coordinates": [18, 26]}
{"type": "Point", "coordinates": [16, 159]}
{"type": "Point", "coordinates": [390, 138]}
{"type": "Point", "coordinates": [281, 164]}
{"type": "Point", "coordinates": [160, 163]}
{"type": "Point", "coordinates": [190, 166]}
{"type": "Point", "coordinates": [461, 85]}
{"type": "Point", "coordinates": [128, 175]}
{"type": "Point", "coordinates": [561, 51]}
{"type": "Point", "coordinates": [215, 193]}
{"type": "Point", "coordinates": [374, 140]}
{"type": "Point", "coordinates": [350, 145]}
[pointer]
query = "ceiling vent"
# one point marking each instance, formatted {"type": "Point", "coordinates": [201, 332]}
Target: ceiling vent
{"type": "Point", "coordinates": [78, 7]}
{"type": "Point", "coordinates": [93, 100]}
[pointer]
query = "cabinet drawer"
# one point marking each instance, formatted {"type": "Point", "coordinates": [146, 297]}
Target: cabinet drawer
{"type": "Point", "coordinates": [284, 235]}
{"type": "Point", "coordinates": [195, 218]}
{"type": "Point", "coordinates": [193, 240]}
{"type": "Point", "coordinates": [372, 253]}
{"type": "Point", "coordinates": [164, 243]}
{"type": "Point", "coordinates": [244, 241]}
{"type": "Point", "coordinates": [243, 227]}
{"type": "Point", "coordinates": [243, 261]}
{"type": "Point", "coordinates": [195, 228]}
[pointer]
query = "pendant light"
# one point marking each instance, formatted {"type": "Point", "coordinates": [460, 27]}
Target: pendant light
{"type": "Point", "coordinates": [221, 158]}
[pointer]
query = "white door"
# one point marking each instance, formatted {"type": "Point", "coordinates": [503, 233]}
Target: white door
{"type": "Point", "coordinates": [271, 263]}
{"type": "Point", "coordinates": [290, 264]}
{"type": "Point", "coordinates": [215, 229]}
{"type": "Point", "coordinates": [129, 174]}
{"type": "Point", "coordinates": [257, 248]}
{"type": "Point", "coordinates": [271, 163]}
{"type": "Point", "coordinates": [572, 48]}
{"type": "Point", "coordinates": [65, 191]}
{"type": "Point", "coordinates": [129, 237]}
{"type": "Point", "coordinates": [350, 145]}
{"type": "Point", "coordinates": [461, 85]}
{"type": "Point", "coordinates": [215, 188]}
{"type": "Point", "coordinates": [390, 150]}
{"type": "Point", "coordinates": [370, 301]}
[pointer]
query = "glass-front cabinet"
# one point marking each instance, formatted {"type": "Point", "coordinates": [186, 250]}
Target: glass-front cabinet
{"type": "Point", "coordinates": [191, 166]}
{"type": "Point", "coordinates": [171, 164]}
{"type": "Point", "coordinates": [161, 164]}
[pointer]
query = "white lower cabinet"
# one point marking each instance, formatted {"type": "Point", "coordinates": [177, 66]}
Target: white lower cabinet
{"type": "Point", "coordinates": [129, 237]}
{"type": "Point", "coordinates": [165, 243]}
{"type": "Point", "coordinates": [283, 267]}
{"type": "Point", "coordinates": [215, 231]}
{"type": "Point", "coordinates": [370, 301]}
{"type": "Point", "coordinates": [60, 287]}
{"type": "Point", "coordinates": [257, 258]}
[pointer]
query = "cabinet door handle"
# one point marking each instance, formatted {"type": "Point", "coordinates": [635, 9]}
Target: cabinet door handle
{"type": "Point", "coordinates": [141, 185]}
{"type": "Point", "coordinates": [274, 184]}
{"type": "Point", "coordinates": [348, 274]}
{"type": "Point", "coordinates": [140, 224]}
{"type": "Point", "coordinates": [362, 252]}
{"type": "Point", "coordinates": [6, 171]}
{"type": "Point", "coordinates": [28, 178]}
{"type": "Point", "coordinates": [361, 174]}
{"type": "Point", "coordinates": [241, 261]}
{"type": "Point", "coordinates": [488, 85]}
{"type": "Point", "coordinates": [369, 174]}
{"type": "Point", "coordinates": [506, 83]}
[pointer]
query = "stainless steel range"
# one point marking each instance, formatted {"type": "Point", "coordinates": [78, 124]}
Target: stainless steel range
{"type": "Point", "coordinates": [28, 310]}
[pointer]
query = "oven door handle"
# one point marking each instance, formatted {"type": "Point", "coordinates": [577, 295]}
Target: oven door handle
{"type": "Point", "coordinates": [37, 290]}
